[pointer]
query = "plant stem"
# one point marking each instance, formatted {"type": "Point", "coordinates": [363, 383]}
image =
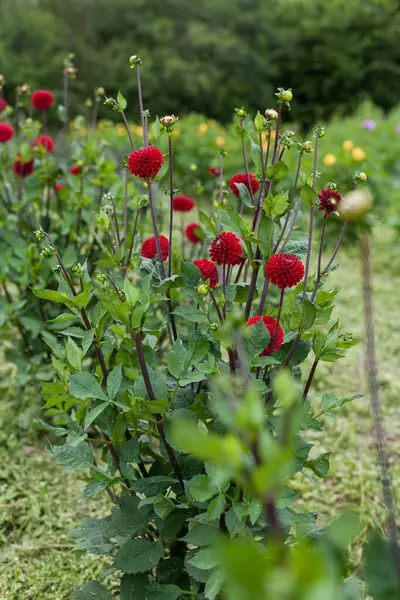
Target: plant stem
{"type": "Point", "coordinates": [246, 169]}
{"type": "Point", "coordinates": [387, 485]}
{"type": "Point", "coordinates": [216, 306]}
{"type": "Point", "coordinates": [142, 116]}
{"type": "Point", "coordinates": [116, 220]}
{"type": "Point", "coordinates": [128, 130]}
{"type": "Point", "coordinates": [296, 180]}
{"type": "Point", "coordinates": [278, 318]}
{"type": "Point", "coordinates": [310, 378]}
{"type": "Point", "coordinates": [224, 287]}
{"type": "Point", "coordinates": [65, 123]}
{"type": "Point", "coordinates": [336, 249]}
{"type": "Point", "coordinates": [95, 111]}
{"type": "Point", "coordinates": [126, 212]}
{"type": "Point", "coordinates": [263, 296]}
{"type": "Point", "coordinates": [171, 206]}
{"type": "Point", "coordinates": [152, 397]}
{"type": "Point", "coordinates": [321, 246]}
{"type": "Point", "coordinates": [221, 179]}
{"type": "Point", "coordinates": [133, 236]}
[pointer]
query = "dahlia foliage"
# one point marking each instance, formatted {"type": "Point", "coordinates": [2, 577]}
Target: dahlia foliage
{"type": "Point", "coordinates": [167, 346]}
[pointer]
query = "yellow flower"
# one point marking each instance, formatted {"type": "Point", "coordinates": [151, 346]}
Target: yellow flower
{"type": "Point", "coordinates": [203, 128]}
{"type": "Point", "coordinates": [220, 141]}
{"type": "Point", "coordinates": [137, 129]}
{"type": "Point", "coordinates": [358, 154]}
{"type": "Point", "coordinates": [348, 145]}
{"type": "Point", "coordinates": [120, 129]}
{"type": "Point", "coordinates": [329, 159]}
{"type": "Point", "coordinates": [83, 131]}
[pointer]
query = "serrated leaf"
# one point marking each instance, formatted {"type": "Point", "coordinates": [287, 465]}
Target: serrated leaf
{"type": "Point", "coordinates": [132, 294]}
{"type": "Point", "coordinates": [92, 590]}
{"type": "Point", "coordinates": [202, 535]}
{"type": "Point", "coordinates": [213, 585]}
{"type": "Point", "coordinates": [114, 381]}
{"type": "Point", "coordinates": [191, 313]}
{"type": "Point", "coordinates": [138, 556]}
{"type": "Point", "coordinates": [151, 486]}
{"type": "Point", "coordinates": [85, 385]}
{"type": "Point", "coordinates": [308, 194]}
{"type": "Point", "coordinates": [93, 488]}
{"type": "Point", "coordinates": [94, 413]}
{"type": "Point", "coordinates": [128, 518]}
{"type": "Point", "coordinates": [73, 458]}
{"type": "Point", "coordinates": [207, 224]}
{"type": "Point", "coordinates": [276, 171]}
{"type": "Point", "coordinates": [259, 121]}
{"type": "Point", "coordinates": [74, 354]}
{"type": "Point", "coordinates": [204, 559]}
{"type": "Point", "coordinates": [56, 431]}
{"type": "Point", "coordinates": [255, 155]}
{"type": "Point", "coordinates": [54, 296]}
{"type": "Point", "coordinates": [257, 339]}
{"type": "Point", "coordinates": [87, 341]}
{"type": "Point", "coordinates": [202, 488]}
{"type": "Point", "coordinates": [176, 359]}
{"type": "Point", "coordinates": [319, 465]}
{"type": "Point", "coordinates": [244, 194]}
{"type": "Point", "coordinates": [216, 507]}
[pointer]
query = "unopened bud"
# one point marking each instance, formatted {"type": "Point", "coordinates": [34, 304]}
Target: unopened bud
{"type": "Point", "coordinates": [308, 146]}
{"type": "Point", "coordinates": [77, 269]}
{"type": "Point", "coordinates": [287, 96]}
{"type": "Point", "coordinates": [240, 112]}
{"type": "Point", "coordinates": [134, 61]}
{"type": "Point", "coordinates": [47, 251]}
{"type": "Point", "coordinates": [143, 201]}
{"type": "Point", "coordinates": [193, 167]}
{"type": "Point", "coordinates": [39, 234]}
{"type": "Point", "coordinates": [202, 289]}
{"type": "Point", "coordinates": [88, 103]}
{"type": "Point", "coordinates": [100, 91]}
{"type": "Point", "coordinates": [2, 80]}
{"type": "Point", "coordinates": [213, 327]}
{"type": "Point", "coordinates": [70, 71]}
{"type": "Point", "coordinates": [168, 120]}
{"type": "Point", "coordinates": [24, 88]}
{"type": "Point", "coordinates": [360, 177]}
{"type": "Point", "coordinates": [271, 113]}
{"type": "Point", "coordinates": [355, 204]}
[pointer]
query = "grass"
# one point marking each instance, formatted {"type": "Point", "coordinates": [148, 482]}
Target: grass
{"type": "Point", "coordinates": [40, 503]}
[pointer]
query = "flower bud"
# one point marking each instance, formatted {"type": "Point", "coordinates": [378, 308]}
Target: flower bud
{"type": "Point", "coordinates": [77, 269]}
{"type": "Point", "coordinates": [58, 270]}
{"type": "Point", "coordinates": [271, 113]}
{"type": "Point", "coordinates": [355, 204]}
{"type": "Point", "coordinates": [143, 201]}
{"type": "Point", "coordinates": [193, 167]}
{"type": "Point", "coordinates": [2, 81]}
{"type": "Point", "coordinates": [213, 327]}
{"type": "Point", "coordinates": [24, 88]}
{"type": "Point", "coordinates": [361, 177]}
{"type": "Point", "coordinates": [39, 234]}
{"type": "Point", "coordinates": [202, 289]}
{"type": "Point", "coordinates": [47, 251]}
{"type": "Point", "coordinates": [134, 61]}
{"type": "Point", "coordinates": [100, 91]}
{"type": "Point", "coordinates": [70, 71]}
{"type": "Point", "coordinates": [319, 131]}
{"type": "Point", "coordinates": [287, 96]}
{"type": "Point", "coordinates": [88, 103]}
{"type": "Point", "coordinates": [308, 146]}
{"type": "Point", "coordinates": [168, 121]}
{"type": "Point", "coordinates": [240, 112]}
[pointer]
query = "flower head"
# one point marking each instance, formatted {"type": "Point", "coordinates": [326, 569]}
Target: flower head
{"type": "Point", "coordinates": [3, 105]}
{"type": "Point", "coordinates": [191, 232]}
{"type": "Point", "coordinates": [182, 204]}
{"type": "Point", "coordinates": [145, 162]}
{"type": "Point", "coordinates": [215, 171]}
{"type": "Point", "coordinates": [59, 187]}
{"type": "Point", "coordinates": [348, 145]}
{"type": "Point", "coordinates": [75, 170]}
{"type": "Point", "coordinates": [329, 200]}
{"type": "Point", "coordinates": [329, 160]}
{"type": "Point", "coordinates": [6, 132]}
{"type": "Point", "coordinates": [369, 124]}
{"type": "Point", "coordinates": [284, 270]}
{"type": "Point", "coordinates": [226, 249]}
{"type": "Point", "coordinates": [22, 169]}
{"type": "Point", "coordinates": [208, 271]}
{"type": "Point", "coordinates": [242, 178]}
{"type": "Point", "coordinates": [42, 99]}
{"type": "Point", "coordinates": [45, 141]}
{"type": "Point", "coordinates": [149, 248]}
{"type": "Point", "coordinates": [270, 323]}
{"type": "Point", "coordinates": [358, 154]}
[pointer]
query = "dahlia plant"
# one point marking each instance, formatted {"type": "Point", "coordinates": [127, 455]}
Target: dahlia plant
{"type": "Point", "coordinates": [182, 354]}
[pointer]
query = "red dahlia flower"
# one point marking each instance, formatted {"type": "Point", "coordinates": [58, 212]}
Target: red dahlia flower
{"type": "Point", "coordinates": [6, 132]}
{"type": "Point", "coordinates": [270, 324]}
{"type": "Point", "coordinates": [242, 178]}
{"type": "Point", "coordinates": [59, 187]}
{"type": "Point", "coordinates": [226, 249]}
{"type": "Point", "coordinates": [145, 162]}
{"type": "Point", "coordinates": [45, 141]}
{"type": "Point", "coordinates": [3, 105]}
{"type": "Point", "coordinates": [23, 169]}
{"type": "Point", "coordinates": [215, 171]}
{"type": "Point", "coordinates": [182, 204]}
{"type": "Point", "coordinates": [329, 200]}
{"type": "Point", "coordinates": [191, 232]}
{"type": "Point", "coordinates": [284, 270]}
{"type": "Point", "coordinates": [208, 271]}
{"type": "Point", "coordinates": [75, 170]}
{"type": "Point", "coordinates": [149, 248]}
{"type": "Point", "coordinates": [42, 99]}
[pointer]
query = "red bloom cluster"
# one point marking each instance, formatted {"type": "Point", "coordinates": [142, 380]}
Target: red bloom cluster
{"type": "Point", "coordinates": [145, 162]}
{"type": "Point", "coordinates": [208, 271]}
{"type": "Point", "coordinates": [242, 178]}
{"type": "Point", "coordinates": [329, 200]}
{"type": "Point", "coordinates": [42, 99]}
{"type": "Point", "coordinates": [182, 204]}
{"type": "Point", "coordinates": [226, 249]}
{"type": "Point", "coordinates": [59, 186]}
{"type": "Point", "coordinates": [6, 132]}
{"type": "Point", "coordinates": [75, 170]}
{"type": "Point", "coordinates": [22, 169]}
{"type": "Point", "coordinates": [215, 171]}
{"type": "Point", "coordinates": [190, 233]}
{"type": "Point", "coordinates": [45, 141]}
{"type": "Point", "coordinates": [270, 324]}
{"type": "Point", "coordinates": [149, 248]}
{"type": "Point", "coordinates": [3, 105]}
{"type": "Point", "coordinates": [284, 270]}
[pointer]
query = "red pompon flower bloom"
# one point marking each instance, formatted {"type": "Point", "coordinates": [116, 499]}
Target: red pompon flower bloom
{"type": "Point", "coordinates": [208, 271]}
{"type": "Point", "coordinates": [226, 249]}
{"type": "Point", "coordinates": [75, 170]}
{"type": "Point", "coordinates": [242, 178]}
{"type": "Point", "coordinates": [191, 233]}
{"type": "Point", "coordinates": [215, 171]}
{"type": "Point", "coordinates": [45, 141]}
{"type": "Point", "coordinates": [329, 200]}
{"type": "Point", "coordinates": [23, 169]}
{"type": "Point", "coordinates": [149, 248]}
{"type": "Point", "coordinates": [42, 99]}
{"type": "Point", "coordinates": [3, 105]}
{"type": "Point", "coordinates": [284, 270]}
{"type": "Point", "coordinates": [182, 204]}
{"type": "Point", "coordinates": [270, 324]}
{"type": "Point", "coordinates": [145, 162]}
{"type": "Point", "coordinates": [59, 187]}
{"type": "Point", "coordinates": [6, 132]}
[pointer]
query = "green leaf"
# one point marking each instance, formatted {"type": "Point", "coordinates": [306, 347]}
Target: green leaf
{"type": "Point", "coordinates": [114, 381]}
{"type": "Point", "coordinates": [74, 457]}
{"type": "Point", "coordinates": [309, 314]}
{"type": "Point", "coordinates": [255, 154]}
{"type": "Point", "coordinates": [216, 507]}
{"type": "Point", "coordinates": [213, 585]}
{"type": "Point", "coordinates": [277, 171]}
{"type": "Point", "coordinates": [151, 486]}
{"type": "Point", "coordinates": [53, 296]}
{"type": "Point", "coordinates": [130, 451]}
{"type": "Point", "coordinates": [158, 383]}
{"type": "Point", "coordinates": [308, 194]}
{"type": "Point", "coordinates": [190, 313]}
{"type": "Point", "coordinates": [204, 559]}
{"type": "Point", "coordinates": [202, 535]}
{"type": "Point", "coordinates": [257, 339]}
{"type": "Point", "coordinates": [128, 518]}
{"type": "Point", "coordinates": [319, 465]}
{"type": "Point", "coordinates": [379, 569]}
{"type": "Point", "coordinates": [265, 235]}
{"type": "Point", "coordinates": [259, 121]}
{"type": "Point", "coordinates": [191, 274]}
{"type": "Point", "coordinates": [92, 590]}
{"type": "Point", "coordinates": [132, 294]}
{"type": "Point", "coordinates": [122, 103]}
{"type": "Point", "coordinates": [276, 205]}
{"type": "Point", "coordinates": [176, 359]}
{"type": "Point", "coordinates": [234, 524]}
{"type": "Point", "coordinates": [87, 341]}
{"type": "Point", "coordinates": [244, 194]}
{"type": "Point", "coordinates": [138, 556]}
{"type": "Point", "coordinates": [192, 377]}
{"type": "Point", "coordinates": [207, 224]}
{"type": "Point", "coordinates": [202, 488]}
{"type": "Point", "coordinates": [156, 128]}
{"type": "Point", "coordinates": [64, 317]}
{"type": "Point", "coordinates": [56, 431]}
{"type": "Point", "coordinates": [93, 488]}
{"type": "Point", "coordinates": [94, 413]}
{"type": "Point", "coordinates": [74, 354]}
{"type": "Point", "coordinates": [82, 299]}
{"type": "Point", "coordinates": [85, 385]}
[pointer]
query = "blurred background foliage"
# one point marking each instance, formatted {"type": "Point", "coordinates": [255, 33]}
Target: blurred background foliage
{"type": "Point", "coordinates": [212, 55]}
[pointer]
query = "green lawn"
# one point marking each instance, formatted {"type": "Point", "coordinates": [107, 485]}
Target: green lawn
{"type": "Point", "coordinates": [40, 503]}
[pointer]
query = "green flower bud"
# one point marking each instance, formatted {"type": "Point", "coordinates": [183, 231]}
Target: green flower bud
{"type": "Point", "coordinates": [168, 121]}
{"type": "Point", "coordinates": [77, 269]}
{"type": "Point", "coordinates": [202, 289]}
{"type": "Point", "coordinates": [193, 167]}
{"type": "Point", "coordinates": [134, 61]}
{"type": "Point", "coordinates": [88, 103]}
{"type": "Point", "coordinates": [100, 91]}
{"type": "Point", "coordinates": [213, 327]}
{"type": "Point", "coordinates": [308, 146]}
{"type": "Point", "coordinates": [47, 251]}
{"type": "Point", "coordinates": [240, 112]}
{"type": "Point", "coordinates": [287, 96]}
{"type": "Point", "coordinates": [355, 205]}
{"type": "Point", "coordinates": [360, 177]}
{"type": "Point", "coordinates": [39, 234]}
{"type": "Point", "coordinates": [271, 113]}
